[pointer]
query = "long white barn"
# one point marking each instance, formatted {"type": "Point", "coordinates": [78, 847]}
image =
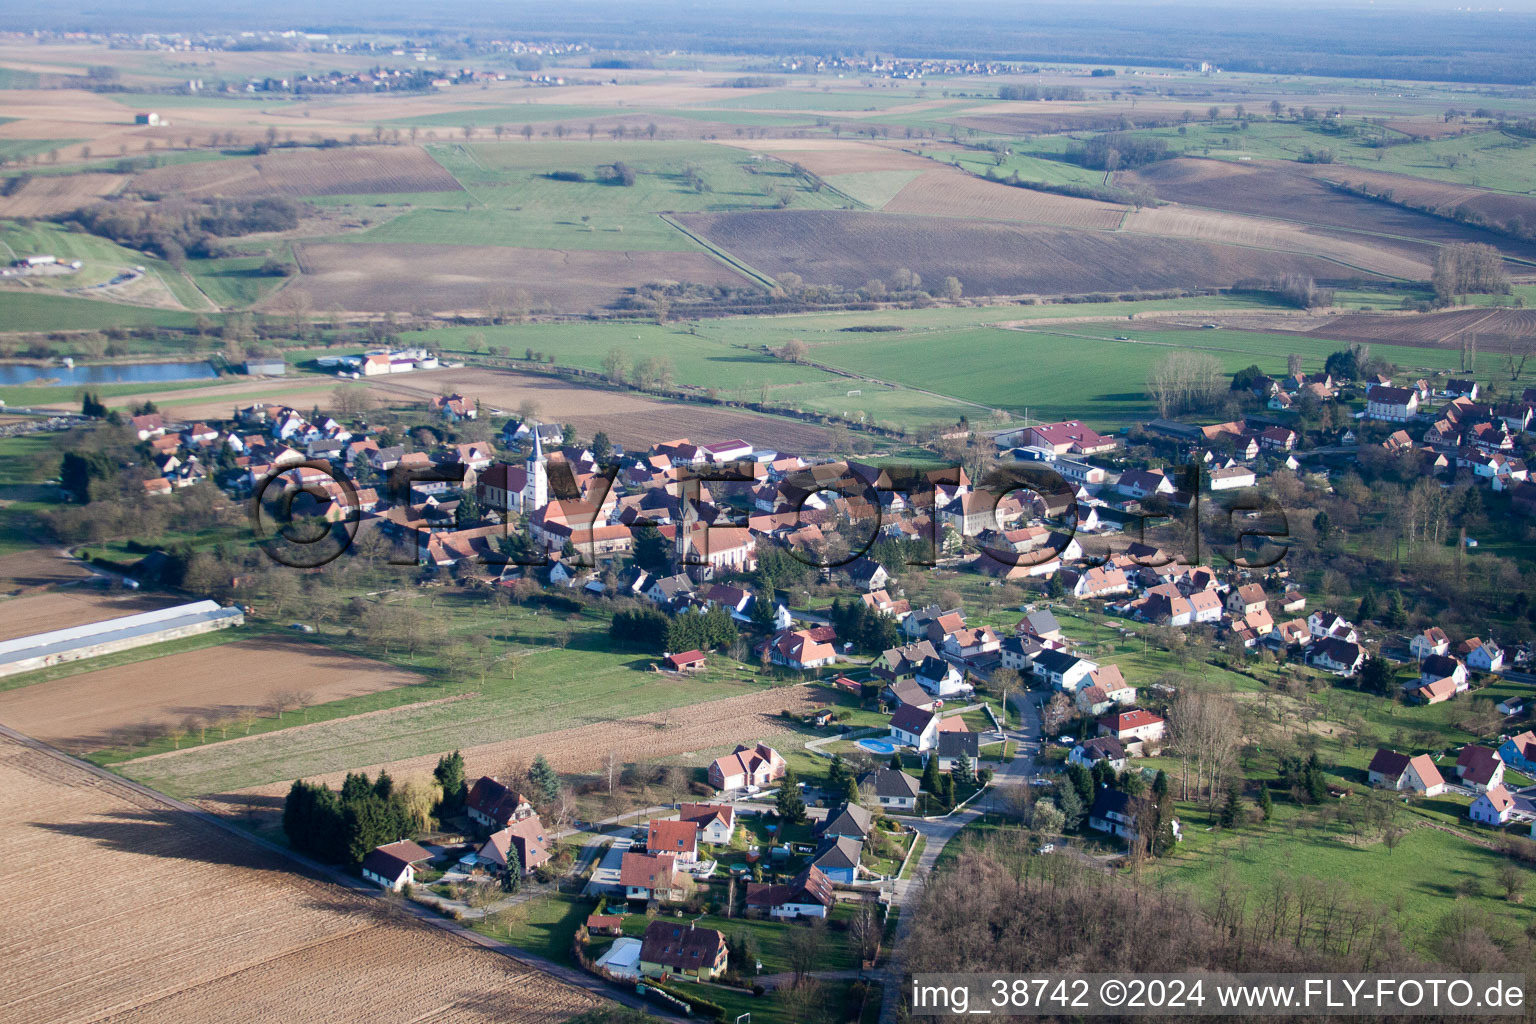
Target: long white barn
{"type": "Point", "coordinates": [94, 639]}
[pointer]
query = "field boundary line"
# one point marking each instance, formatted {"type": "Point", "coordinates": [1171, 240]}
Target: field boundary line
{"type": "Point", "coordinates": [324, 873]}
{"type": "Point", "coordinates": [722, 255]}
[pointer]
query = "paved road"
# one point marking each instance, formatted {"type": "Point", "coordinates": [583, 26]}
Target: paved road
{"type": "Point", "coordinates": [907, 893]}
{"type": "Point", "coordinates": [569, 975]}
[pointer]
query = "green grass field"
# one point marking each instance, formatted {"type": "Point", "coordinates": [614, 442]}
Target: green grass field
{"type": "Point", "coordinates": [26, 462]}
{"type": "Point", "coordinates": [511, 200]}
{"type": "Point", "coordinates": [233, 282]}
{"type": "Point", "coordinates": [552, 688]}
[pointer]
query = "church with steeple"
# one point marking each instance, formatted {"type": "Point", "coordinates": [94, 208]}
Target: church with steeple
{"type": "Point", "coordinates": [536, 482]}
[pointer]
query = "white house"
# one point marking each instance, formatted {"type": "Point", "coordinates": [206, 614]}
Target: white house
{"type": "Point", "coordinates": [394, 865]}
{"type": "Point", "coordinates": [1392, 770]}
{"type": "Point", "coordinates": [912, 726]}
{"type": "Point", "coordinates": [716, 822]}
{"type": "Point", "coordinates": [1395, 405]}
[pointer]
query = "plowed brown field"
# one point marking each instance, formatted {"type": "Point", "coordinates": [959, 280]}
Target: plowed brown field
{"type": "Point", "coordinates": [1494, 328]}
{"type": "Point", "coordinates": [52, 194]}
{"type": "Point", "coordinates": [371, 277]}
{"type": "Point", "coordinates": [84, 712]}
{"type": "Point", "coordinates": [73, 606]}
{"type": "Point", "coordinates": [183, 923]}
{"type": "Point", "coordinates": [941, 193]}
{"type": "Point", "coordinates": [325, 172]}
{"type": "Point", "coordinates": [37, 568]}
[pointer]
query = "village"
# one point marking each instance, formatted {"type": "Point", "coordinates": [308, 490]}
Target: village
{"type": "Point", "coordinates": [931, 720]}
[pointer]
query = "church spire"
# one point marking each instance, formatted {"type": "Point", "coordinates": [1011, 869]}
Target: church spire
{"type": "Point", "coordinates": [536, 487]}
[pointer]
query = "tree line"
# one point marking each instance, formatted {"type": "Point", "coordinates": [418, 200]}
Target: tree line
{"type": "Point", "coordinates": [187, 228]}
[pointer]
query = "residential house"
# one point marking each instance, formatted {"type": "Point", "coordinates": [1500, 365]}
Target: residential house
{"type": "Point", "coordinates": [1395, 405]}
{"type": "Point", "coordinates": [1392, 770]}
{"type": "Point", "coordinates": [1461, 389]}
{"type": "Point", "coordinates": [1432, 641]}
{"type": "Point", "coordinates": [1479, 768]}
{"type": "Point", "coordinates": [681, 948]}
{"type": "Point", "coordinates": [914, 727]}
{"type": "Point", "coordinates": [1481, 656]}
{"type": "Point", "coordinates": [848, 820]}
{"type": "Point", "coordinates": [676, 836]}
{"type": "Point", "coordinates": [526, 836]}
{"type": "Point", "coordinates": [1443, 666]}
{"type": "Point", "coordinates": [1136, 726]}
{"type": "Point", "coordinates": [1495, 806]}
{"type": "Point", "coordinates": [716, 822]}
{"type": "Point", "coordinates": [670, 591]}
{"type": "Point", "coordinates": [759, 765]}
{"type": "Point", "coordinates": [393, 865]}
{"type": "Point", "coordinates": [647, 876]}
{"type": "Point", "coordinates": [1340, 657]}
{"type": "Point", "coordinates": [1519, 752]}
{"type": "Point", "coordinates": [1246, 599]}
{"type": "Point", "coordinates": [838, 858]}
{"type": "Point", "coordinates": [895, 790]}
{"type": "Point", "coordinates": [808, 894]}
{"type": "Point", "coordinates": [1099, 581]}
{"type": "Point", "coordinates": [954, 745]}
{"type": "Point", "coordinates": [907, 691]}
{"type": "Point", "coordinates": [1436, 691]}
{"type": "Point", "coordinates": [799, 649]}
{"type": "Point", "coordinates": [495, 806]}
{"type": "Point", "coordinates": [1100, 748]}
{"type": "Point", "coordinates": [1144, 483]}
{"type": "Point", "coordinates": [940, 678]}
{"type": "Point", "coordinates": [1040, 624]}
{"type": "Point", "coordinates": [1115, 812]}
{"type": "Point", "coordinates": [1064, 671]}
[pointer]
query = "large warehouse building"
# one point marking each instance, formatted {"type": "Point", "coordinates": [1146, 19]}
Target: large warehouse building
{"type": "Point", "coordinates": [110, 635]}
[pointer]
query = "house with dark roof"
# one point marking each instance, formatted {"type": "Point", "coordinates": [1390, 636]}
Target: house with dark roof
{"type": "Point", "coordinates": [682, 948]}
{"type": "Point", "coordinates": [1391, 770]}
{"type": "Point", "coordinates": [838, 858]}
{"type": "Point", "coordinates": [1066, 672]}
{"type": "Point", "coordinates": [1479, 768]}
{"type": "Point", "coordinates": [1113, 812]}
{"type": "Point", "coordinates": [1100, 748]}
{"type": "Point", "coordinates": [915, 727]}
{"type": "Point", "coordinates": [906, 691]}
{"type": "Point", "coordinates": [849, 820]}
{"type": "Point", "coordinates": [808, 894]}
{"type": "Point", "coordinates": [393, 865]}
{"type": "Point", "coordinates": [495, 806]}
{"type": "Point", "coordinates": [955, 745]}
{"type": "Point", "coordinates": [895, 790]}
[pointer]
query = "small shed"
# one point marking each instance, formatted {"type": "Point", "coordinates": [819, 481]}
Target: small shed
{"type": "Point", "coordinates": [687, 661]}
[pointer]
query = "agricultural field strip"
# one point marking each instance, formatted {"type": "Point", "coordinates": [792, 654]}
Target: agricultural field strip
{"type": "Point", "coordinates": [218, 914]}
{"type": "Point", "coordinates": [409, 741]}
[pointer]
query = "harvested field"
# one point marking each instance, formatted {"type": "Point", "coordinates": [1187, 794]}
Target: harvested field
{"type": "Point", "coordinates": [941, 193]}
{"type": "Point", "coordinates": [88, 711]}
{"type": "Point", "coordinates": [1284, 191]}
{"type": "Point", "coordinates": [641, 739]}
{"type": "Point", "coordinates": [75, 606]}
{"type": "Point", "coordinates": [989, 259]}
{"type": "Point", "coordinates": [826, 157]}
{"type": "Point", "coordinates": [326, 172]}
{"type": "Point", "coordinates": [1495, 328]}
{"type": "Point", "coordinates": [1262, 233]}
{"type": "Point", "coordinates": [374, 277]}
{"type": "Point", "coordinates": [1501, 207]}
{"type": "Point", "coordinates": [186, 923]}
{"type": "Point", "coordinates": [48, 195]}
{"type": "Point", "coordinates": [38, 568]}
{"type": "Point", "coordinates": [631, 419]}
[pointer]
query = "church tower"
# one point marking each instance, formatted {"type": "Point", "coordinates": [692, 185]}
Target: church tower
{"type": "Point", "coordinates": [536, 487]}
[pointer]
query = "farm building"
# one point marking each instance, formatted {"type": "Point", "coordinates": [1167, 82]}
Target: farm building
{"type": "Point", "coordinates": [266, 368]}
{"type": "Point", "coordinates": [94, 639]}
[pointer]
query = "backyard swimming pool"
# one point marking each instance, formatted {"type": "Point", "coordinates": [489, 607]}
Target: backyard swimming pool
{"type": "Point", "coordinates": [878, 746]}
